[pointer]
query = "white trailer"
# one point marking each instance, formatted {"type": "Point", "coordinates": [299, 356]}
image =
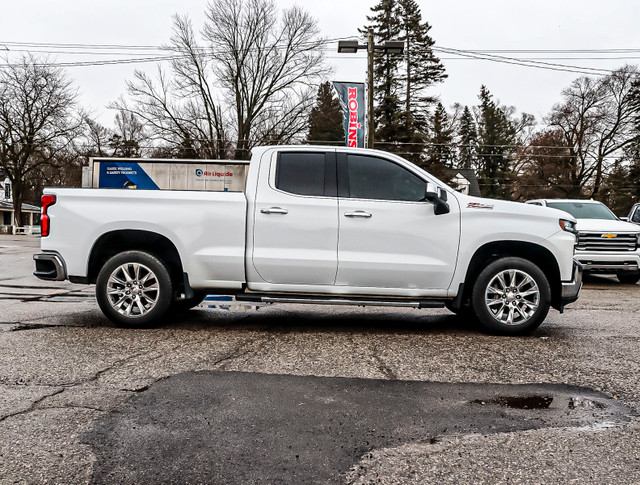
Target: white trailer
{"type": "Point", "coordinates": [165, 174]}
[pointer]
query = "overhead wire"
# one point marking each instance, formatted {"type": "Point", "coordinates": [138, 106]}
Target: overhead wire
{"type": "Point", "coordinates": [164, 54]}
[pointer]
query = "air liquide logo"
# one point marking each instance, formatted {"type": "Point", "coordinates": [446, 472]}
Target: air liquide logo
{"type": "Point", "coordinates": [212, 173]}
{"type": "Point", "coordinates": [354, 126]}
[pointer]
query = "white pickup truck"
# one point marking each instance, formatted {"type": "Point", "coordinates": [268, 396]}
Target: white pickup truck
{"type": "Point", "coordinates": [606, 244]}
{"type": "Point", "coordinates": [314, 225]}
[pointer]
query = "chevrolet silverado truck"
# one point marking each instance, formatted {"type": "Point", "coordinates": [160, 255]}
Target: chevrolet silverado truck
{"type": "Point", "coordinates": [606, 244]}
{"type": "Point", "coordinates": [314, 225]}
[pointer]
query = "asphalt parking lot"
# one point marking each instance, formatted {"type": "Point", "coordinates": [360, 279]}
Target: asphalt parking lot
{"type": "Point", "coordinates": [299, 394]}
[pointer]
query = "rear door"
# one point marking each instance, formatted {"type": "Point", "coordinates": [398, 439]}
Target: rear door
{"type": "Point", "coordinates": [389, 235]}
{"type": "Point", "coordinates": [296, 219]}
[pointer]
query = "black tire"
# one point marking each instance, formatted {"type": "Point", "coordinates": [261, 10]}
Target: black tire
{"type": "Point", "coordinates": [629, 278]}
{"type": "Point", "coordinates": [139, 298]}
{"type": "Point", "coordinates": [464, 311]}
{"type": "Point", "coordinates": [524, 303]}
{"type": "Point", "coordinates": [187, 304]}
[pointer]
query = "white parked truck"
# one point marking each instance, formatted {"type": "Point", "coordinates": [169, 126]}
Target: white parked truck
{"type": "Point", "coordinates": [318, 225]}
{"type": "Point", "coordinates": [606, 244]}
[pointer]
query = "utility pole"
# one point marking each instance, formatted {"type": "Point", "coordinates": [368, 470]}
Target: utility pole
{"type": "Point", "coordinates": [370, 131]}
{"type": "Point", "coordinates": [351, 47]}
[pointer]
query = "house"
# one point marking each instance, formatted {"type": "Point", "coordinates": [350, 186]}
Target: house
{"type": "Point", "coordinates": [30, 213]}
{"type": "Point", "coordinates": [463, 180]}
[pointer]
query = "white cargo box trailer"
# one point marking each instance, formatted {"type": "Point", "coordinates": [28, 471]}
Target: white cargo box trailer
{"type": "Point", "coordinates": [166, 174]}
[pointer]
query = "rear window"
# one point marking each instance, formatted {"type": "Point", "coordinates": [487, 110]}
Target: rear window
{"type": "Point", "coordinates": [301, 173]}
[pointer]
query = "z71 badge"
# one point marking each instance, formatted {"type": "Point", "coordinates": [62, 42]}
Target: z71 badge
{"type": "Point", "coordinates": [477, 205]}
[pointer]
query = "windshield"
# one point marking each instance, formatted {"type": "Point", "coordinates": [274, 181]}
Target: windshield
{"type": "Point", "coordinates": [584, 210]}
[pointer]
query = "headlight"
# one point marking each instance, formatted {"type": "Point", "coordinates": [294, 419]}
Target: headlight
{"type": "Point", "coordinates": [568, 226]}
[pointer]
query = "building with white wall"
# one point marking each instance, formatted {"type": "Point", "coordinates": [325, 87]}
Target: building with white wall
{"type": "Point", "coordinates": [30, 213]}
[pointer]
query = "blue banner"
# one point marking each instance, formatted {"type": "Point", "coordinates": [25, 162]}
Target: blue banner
{"type": "Point", "coordinates": [124, 175]}
{"type": "Point", "coordinates": [351, 96]}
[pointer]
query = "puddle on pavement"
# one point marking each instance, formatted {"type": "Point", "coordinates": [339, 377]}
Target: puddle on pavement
{"type": "Point", "coordinates": [541, 402]}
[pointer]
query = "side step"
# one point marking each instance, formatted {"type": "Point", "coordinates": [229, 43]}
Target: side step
{"type": "Point", "coordinates": [338, 300]}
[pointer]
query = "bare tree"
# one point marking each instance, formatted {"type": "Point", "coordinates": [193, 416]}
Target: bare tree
{"type": "Point", "coordinates": [37, 121]}
{"type": "Point", "coordinates": [95, 142]}
{"type": "Point", "coordinates": [128, 138]}
{"type": "Point", "coordinates": [250, 80]}
{"type": "Point", "coordinates": [180, 110]}
{"type": "Point", "coordinates": [596, 119]}
{"type": "Point", "coordinates": [264, 66]}
{"type": "Point", "coordinates": [545, 168]}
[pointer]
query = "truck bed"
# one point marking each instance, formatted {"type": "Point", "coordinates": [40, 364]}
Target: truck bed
{"type": "Point", "coordinates": [207, 228]}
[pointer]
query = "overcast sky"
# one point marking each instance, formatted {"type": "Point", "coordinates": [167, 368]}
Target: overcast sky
{"type": "Point", "coordinates": [470, 24]}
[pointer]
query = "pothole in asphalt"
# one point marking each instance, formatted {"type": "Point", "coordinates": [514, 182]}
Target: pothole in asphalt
{"type": "Point", "coordinates": [542, 402]}
{"type": "Point", "coordinates": [233, 427]}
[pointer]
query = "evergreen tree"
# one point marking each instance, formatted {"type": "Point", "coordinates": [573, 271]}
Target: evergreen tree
{"type": "Point", "coordinates": [467, 140]}
{"type": "Point", "coordinates": [385, 25]}
{"type": "Point", "coordinates": [401, 112]}
{"type": "Point", "coordinates": [440, 150]}
{"type": "Point", "coordinates": [422, 69]}
{"type": "Point", "coordinates": [325, 120]}
{"type": "Point", "coordinates": [496, 137]}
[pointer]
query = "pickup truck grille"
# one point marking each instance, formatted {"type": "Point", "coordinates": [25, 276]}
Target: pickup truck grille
{"type": "Point", "coordinates": [598, 241]}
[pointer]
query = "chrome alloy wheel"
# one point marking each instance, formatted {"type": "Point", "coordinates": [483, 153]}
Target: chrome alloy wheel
{"type": "Point", "coordinates": [512, 297]}
{"type": "Point", "coordinates": [133, 290]}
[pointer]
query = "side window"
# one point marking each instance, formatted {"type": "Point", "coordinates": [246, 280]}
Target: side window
{"type": "Point", "coordinates": [376, 178]}
{"type": "Point", "coordinates": [636, 215]}
{"type": "Point", "coordinates": [301, 173]}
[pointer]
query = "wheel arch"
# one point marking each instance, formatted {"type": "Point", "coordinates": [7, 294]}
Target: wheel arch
{"type": "Point", "coordinates": [539, 255]}
{"type": "Point", "coordinates": [117, 241]}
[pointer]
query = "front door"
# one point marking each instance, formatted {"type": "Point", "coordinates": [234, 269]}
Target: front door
{"type": "Point", "coordinates": [389, 235]}
{"type": "Point", "coordinates": [296, 220]}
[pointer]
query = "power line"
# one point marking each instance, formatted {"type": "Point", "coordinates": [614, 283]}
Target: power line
{"type": "Point", "coordinates": [546, 51]}
{"type": "Point", "coordinates": [477, 54]}
{"type": "Point", "coordinates": [531, 64]}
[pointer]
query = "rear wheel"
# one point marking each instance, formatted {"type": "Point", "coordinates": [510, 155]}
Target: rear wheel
{"type": "Point", "coordinates": [134, 289]}
{"type": "Point", "coordinates": [630, 278]}
{"type": "Point", "coordinates": [511, 296]}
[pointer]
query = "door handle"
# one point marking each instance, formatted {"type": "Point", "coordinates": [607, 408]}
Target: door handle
{"type": "Point", "coordinates": [357, 214]}
{"type": "Point", "coordinates": [274, 210]}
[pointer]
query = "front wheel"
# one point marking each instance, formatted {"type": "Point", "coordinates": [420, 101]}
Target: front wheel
{"type": "Point", "coordinates": [511, 296]}
{"type": "Point", "coordinates": [134, 289]}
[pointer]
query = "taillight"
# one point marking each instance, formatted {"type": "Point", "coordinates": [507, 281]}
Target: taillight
{"type": "Point", "coordinates": [46, 201]}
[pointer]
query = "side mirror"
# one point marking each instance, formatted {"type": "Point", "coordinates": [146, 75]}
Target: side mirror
{"type": "Point", "coordinates": [625, 219]}
{"type": "Point", "coordinates": [433, 195]}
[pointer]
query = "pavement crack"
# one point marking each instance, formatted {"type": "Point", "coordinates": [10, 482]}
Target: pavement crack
{"type": "Point", "coordinates": [241, 350]}
{"type": "Point", "coordinates": [75, 406]}
{"type": "Point", "coordinates": [32, 324]}
{"type": "Point", "coordinates": [101, 372]}
{"type": "Point", "coordinates": [382, 366]}
{"type": "Point", "coordinates": [34, 405]}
